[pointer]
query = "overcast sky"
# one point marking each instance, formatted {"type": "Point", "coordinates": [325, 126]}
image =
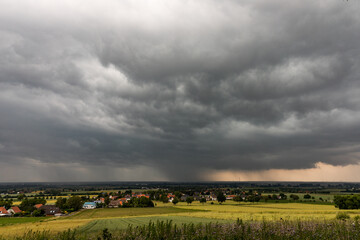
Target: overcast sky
{"type": "Point", "coordinates": [179, 90]}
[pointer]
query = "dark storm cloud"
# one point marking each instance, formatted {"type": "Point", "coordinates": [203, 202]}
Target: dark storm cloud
{"type": "Point", "coordinates": [181, 87]}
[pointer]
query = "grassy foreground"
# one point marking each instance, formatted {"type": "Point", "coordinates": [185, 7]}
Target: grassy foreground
{"type": "Point", "coordinates": [239, 230]}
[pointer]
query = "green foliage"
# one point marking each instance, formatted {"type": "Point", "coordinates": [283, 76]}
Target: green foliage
{"type": "Point", "coordinates": [189, 200]}
{"type": "Point", "coordinates": [61, 203]}
{"type": "Point", "coordinates": [347, 201]}
{"type": "Point", "coordinates": [237, 198]}
{"type": "Point", "coordinates": [294, 197]}
{"type": "Point", "coordinates": [21, 197]}
{"type": "Point", "coordinates": [106, 235]}
{"type": "Point", "coordinates": [107, 200]}
{"type": "Point", "coordinates": [175, 200]}
{"type": "Point", "coordinates": [139, 202]}
{"type": "Point", "coordinates": [203, 200]}
{"type": "Point", "coordinates": [6, 203]}
{"type": "Point", "coordinates": [167, 230]}
{"type": "Point", "coordinates": [342, 216]}
{"type": "Point", "coordinates": [38, 213]}
{"type": "Point", "coordinates": [307, 196]}
{"type": "Point", "coordinates": [73, 203]}
{"type": "Point", "coordinates": [221, 197]}
{"type": "Point", "coordinates": [27, 205]}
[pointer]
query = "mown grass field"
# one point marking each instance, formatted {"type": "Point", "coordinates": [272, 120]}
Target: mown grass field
{"type": "Point", "coordinates": [118, 218]}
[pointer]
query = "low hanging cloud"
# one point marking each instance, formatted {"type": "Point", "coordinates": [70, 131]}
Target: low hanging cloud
{"type": "Point", "coordinates": [176, 89]}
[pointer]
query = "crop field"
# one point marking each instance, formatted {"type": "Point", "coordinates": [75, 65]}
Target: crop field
{"type": "Point", "coordinates": [127, 212]}
{"type": "Point", "coordinates": [265, 211]}
{"type": "Point", "coordinates": [119, 218]}
{"type": "Point", "coordinates": [123, 223]}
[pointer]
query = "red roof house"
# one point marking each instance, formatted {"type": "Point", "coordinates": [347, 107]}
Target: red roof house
{"type": "Point", "coordinates": [14, 210]}
{"type": "Point", "coordinates": [3, 212]}
{"type": "Point", "coordinates": [38, 206]}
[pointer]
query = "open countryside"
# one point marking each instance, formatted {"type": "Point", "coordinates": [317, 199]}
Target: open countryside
{"type": "Point", "coordinates": [113, 210]}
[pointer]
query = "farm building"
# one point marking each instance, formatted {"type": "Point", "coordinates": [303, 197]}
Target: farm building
{"type": "Point", "coordinates": [14, 210]}
{"type": "Point", "coordinates": [3, 212]}
{"type": "Point", "coordinates": [89, 205]}
{"type": "Point", "coordinates": [50, 210]}
{"type": "Point", "coordinates": [38, 205]}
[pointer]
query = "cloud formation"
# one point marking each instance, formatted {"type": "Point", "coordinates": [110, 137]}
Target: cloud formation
{"type": "Point", "coordinates": [178, 88]}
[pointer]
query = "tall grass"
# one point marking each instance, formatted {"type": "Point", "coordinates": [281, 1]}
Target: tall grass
{"type": "Point", "coordinates": [336, 229]}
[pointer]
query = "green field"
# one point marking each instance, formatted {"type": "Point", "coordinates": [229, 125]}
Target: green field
{"type": "Point", "coordinates": [4, 221]}
{"type": "Point", "coordinates": [123, 223]}
{"type": "Point", "coordinates": [128, 212]}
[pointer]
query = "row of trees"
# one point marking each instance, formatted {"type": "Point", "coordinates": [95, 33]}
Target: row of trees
{"type": "Point", "coordinates": [347, 202]}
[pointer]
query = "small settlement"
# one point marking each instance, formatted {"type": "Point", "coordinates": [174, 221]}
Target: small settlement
{"type": "Point", "coordinates": [115, 200]}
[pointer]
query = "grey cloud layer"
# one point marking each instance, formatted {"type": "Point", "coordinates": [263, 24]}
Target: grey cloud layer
{"type": "Point", "coordinates": [178, 86]}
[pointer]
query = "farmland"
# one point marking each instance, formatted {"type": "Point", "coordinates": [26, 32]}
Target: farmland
{"type": "Point", "coordinates": [272, 205]}
{"type": "Point", "coordinates": [228, 212]}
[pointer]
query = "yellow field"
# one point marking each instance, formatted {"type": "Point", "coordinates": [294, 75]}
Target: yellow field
{"type": "Point", "coordinates": [229, 210]}
{"type": "Point", "coordinates": [267, 211]}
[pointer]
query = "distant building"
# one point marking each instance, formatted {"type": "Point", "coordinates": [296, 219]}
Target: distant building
{"type": "Point", "coordinates": [50, 210]}
{"type": "Point", "coordinates": [115, 203]}
{"type": "Point", "coordinates": [89, 205]}
{"type": "Point", "coordinates": [38, 206]}
{"type": "Point", "coordinates": [4, 213]}
{"type": "Point", "coordinates": [14, 210]}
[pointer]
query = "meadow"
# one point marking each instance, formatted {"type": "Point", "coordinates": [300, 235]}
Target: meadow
{"type": "Point", "coordinates": [228, 212]}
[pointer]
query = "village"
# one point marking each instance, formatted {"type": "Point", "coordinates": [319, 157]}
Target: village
{"type": "Point", "coordinates": [63, 206]}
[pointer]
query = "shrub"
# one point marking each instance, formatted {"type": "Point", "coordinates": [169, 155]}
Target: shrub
{"type": "Point", "coordinates": [342, 216]}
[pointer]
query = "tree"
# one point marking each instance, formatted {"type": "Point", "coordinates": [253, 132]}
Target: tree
{"type": "Point", "coordinates": [221, 197]}
{"type": "Point", "coordinates": [107, 200]}
{"type": "Point", "coordinates": [21, 197]}
{"type": "Point", "coordinates": [75, 203]}
{"type": "Point", "coordinates": [237, 198]}
{"type": "Point", "coordinates": [38, 213]}
{"type": "Point", "coordinates": [294, 197]}
{"type": "Point", "coordinates": [203, 200]}
{"type": "Point", "coordinates": [61, 203]}
{"type": "Point", "coordinates": [283, 196]}
{"type": "Point", "coordinates": [175, 200]}
{"type": "Point", "coordinates": [164, 198]}
{"type": "Point", "coordinates": [189, 200]}
{"type": "Point", "coordinates": [307, 196]}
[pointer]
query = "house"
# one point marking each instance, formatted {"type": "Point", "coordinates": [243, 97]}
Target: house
{"type": "Point", "coordinates": [4, 213]}
{"type": "Point", "coordinates": [114, 203]}
{"type": "Point", "coordinates": [50, 210]}
{"type": "Point", "coordinates": [184, 197]}
{"type": "Point", "coordinates": [170, 197]}
{"type": "Point", "coordinates": [89, 205]}
{"type": "Point", "coordinates": [230, 197]}
{"type": "Point", "coordinates": [38, 206]}
{"type": "Point", "coordinates": [213, 197]}
{"type": "Point", "coordinates": [14, 210]}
